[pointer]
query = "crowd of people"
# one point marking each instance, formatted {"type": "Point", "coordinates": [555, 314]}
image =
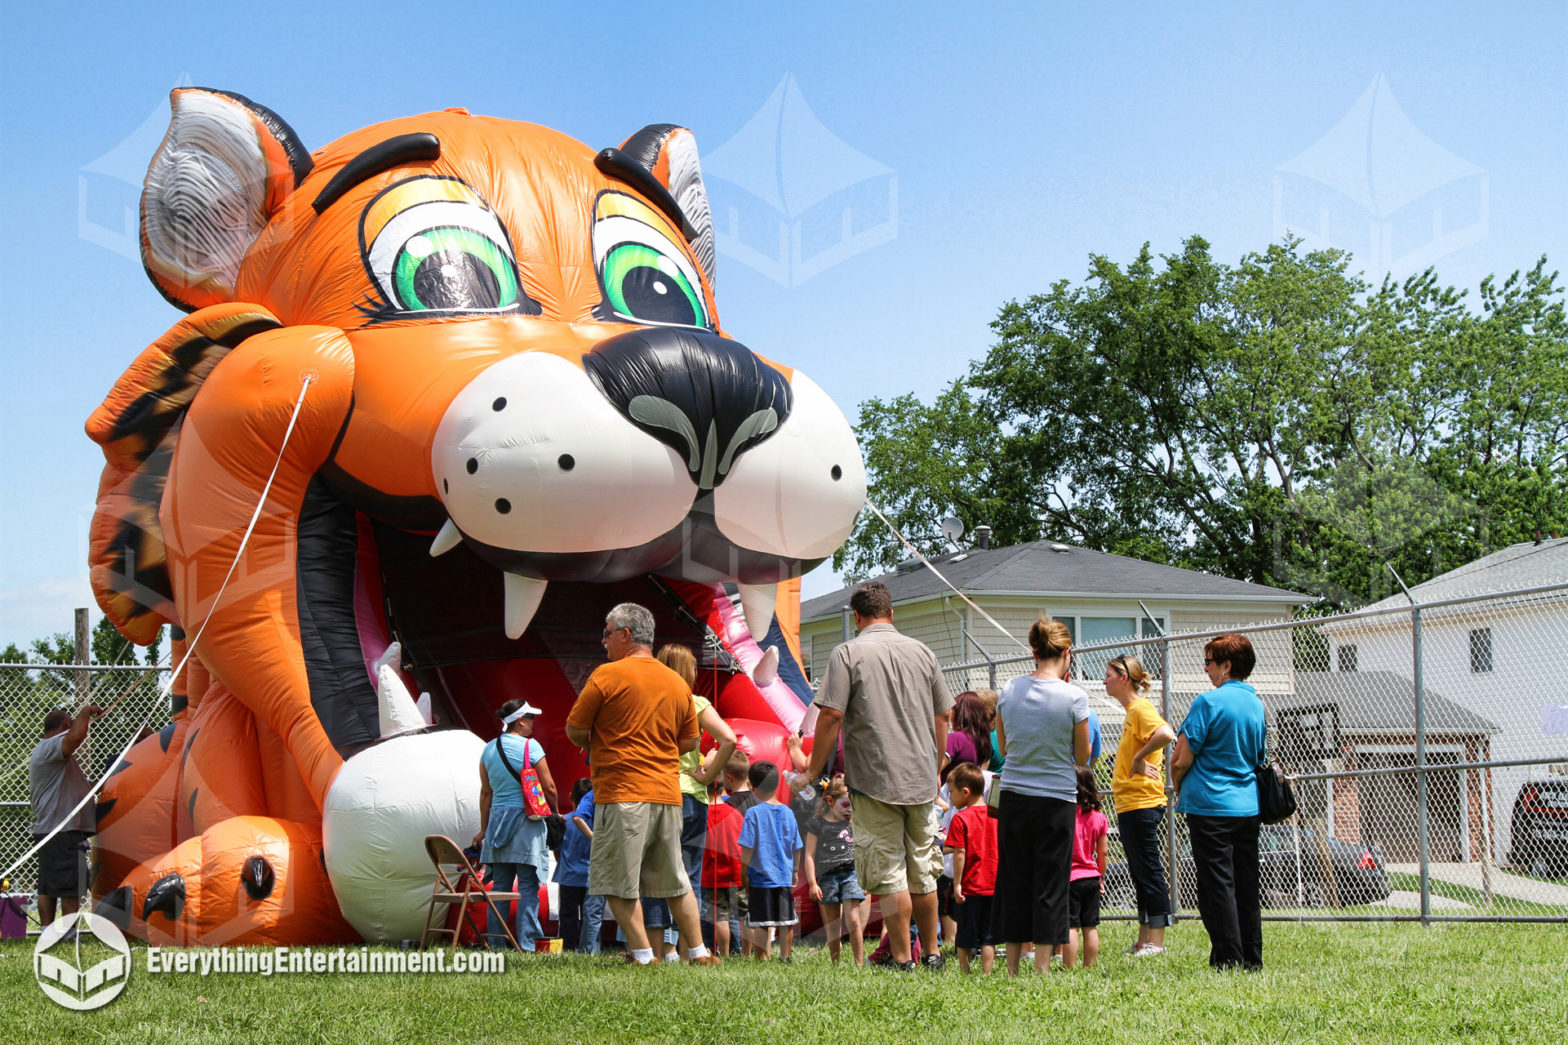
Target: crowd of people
{"type": "Point", "coordinates": [978, 814]}
{"type": "Point", "coordinates": [975, 821]}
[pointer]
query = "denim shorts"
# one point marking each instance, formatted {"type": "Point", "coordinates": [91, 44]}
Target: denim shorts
{"type": "Point", "coordinates": [840, 887]}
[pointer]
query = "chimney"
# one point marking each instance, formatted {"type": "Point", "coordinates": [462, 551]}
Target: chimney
{"type": "Point", "coordinates": [983, 537]}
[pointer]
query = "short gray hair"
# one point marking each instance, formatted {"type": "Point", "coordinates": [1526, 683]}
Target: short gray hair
{"type": "Point", "coordinates": [634, 617]}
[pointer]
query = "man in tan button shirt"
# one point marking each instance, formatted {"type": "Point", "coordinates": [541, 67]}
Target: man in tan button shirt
{"type": "Point", "coordinates": [886, 692]}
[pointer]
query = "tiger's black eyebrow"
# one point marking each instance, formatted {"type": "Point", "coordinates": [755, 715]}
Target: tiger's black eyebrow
{"type": "Point", "coordinates": [613, 163]}
{"type": "Point", "coordinates": [405, 148]}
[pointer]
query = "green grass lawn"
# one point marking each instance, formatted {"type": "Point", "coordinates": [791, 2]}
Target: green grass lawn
{"type": "Point", "coordinates": [1323, 983]}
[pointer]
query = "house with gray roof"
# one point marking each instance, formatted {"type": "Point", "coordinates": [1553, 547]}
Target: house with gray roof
{"type": "Point", "coordinates": [1498, 660]}
{"type": "Point", "coordinates": [1102, 598]}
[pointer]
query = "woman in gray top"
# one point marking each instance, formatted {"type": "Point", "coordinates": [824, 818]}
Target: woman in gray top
{"type": "Point", "coordinates": [1042, 727]}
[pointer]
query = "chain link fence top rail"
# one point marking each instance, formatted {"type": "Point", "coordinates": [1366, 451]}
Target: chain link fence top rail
{"type": "Point", "coordinates": [27, 693]}
{"type": "Point", "coordinates": [1340, 694]}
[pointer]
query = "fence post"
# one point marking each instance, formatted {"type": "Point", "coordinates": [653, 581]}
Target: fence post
{"type": "Point", "coordinates": [1423, 828]}
{"type": "Point", "coordinates": [84, 656]}
{"type": "Point", "coordinates": [1173, 865]}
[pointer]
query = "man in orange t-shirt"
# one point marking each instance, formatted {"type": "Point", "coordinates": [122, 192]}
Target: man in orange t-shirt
{"type": "Point", "coordinates": [635, 716]}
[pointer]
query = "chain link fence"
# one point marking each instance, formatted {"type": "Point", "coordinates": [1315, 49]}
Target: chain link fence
{"type": "Point", "coordinates": [1427, 745]}
{"type": "Point", "coordinates": [131, 696]}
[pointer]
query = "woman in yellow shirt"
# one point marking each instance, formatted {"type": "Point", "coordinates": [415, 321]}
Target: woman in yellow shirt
{"type": "Point", "coordinates": [1137, 784]}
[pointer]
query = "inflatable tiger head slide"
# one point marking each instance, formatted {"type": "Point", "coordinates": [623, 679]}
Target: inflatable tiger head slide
{"type": "Point", "coordinates": [479, 372]}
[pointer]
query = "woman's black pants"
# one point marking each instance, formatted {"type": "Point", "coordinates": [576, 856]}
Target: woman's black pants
{"type": "Point", "coordinates": [1225, 855]}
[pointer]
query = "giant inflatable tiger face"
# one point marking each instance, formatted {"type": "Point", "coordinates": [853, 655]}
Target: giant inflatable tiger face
{"type": "Point", "coordinates": [539, 367]}
{"type": "Point", "coordinates": [447, 336]}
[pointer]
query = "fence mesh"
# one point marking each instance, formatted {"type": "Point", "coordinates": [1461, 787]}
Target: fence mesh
{"type": "Point", "coordinates": [1356, 705]}
{"type": "Point", "coordinates": [131, 695]}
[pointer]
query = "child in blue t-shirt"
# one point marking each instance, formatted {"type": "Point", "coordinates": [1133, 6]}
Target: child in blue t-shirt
{"type": "Point", "coordinates": [571, 870]}
{"type": "Point", "coordinates": [769, 845]}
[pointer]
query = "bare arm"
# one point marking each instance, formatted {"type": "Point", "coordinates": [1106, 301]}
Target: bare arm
{"type": "Point", "coordinates": [1083, 747]}
{"type": "Point", "coordinates": [1001, 738]}
{"type": "Point", "coordinates": [579, 737]}
{"type": "Point", "coordinates": [720, 731]}
{"type": "Point", "coordinates": [78, 731]}
{"type": "Point", "coordinates": [958, 873]}
{"type": "Point", "coordinates": [823, 744]}
{"type": "Point", "coordinates": [944, 725]}
{"type": "Point", "coordinates": [582, 825]}
{"type": "Point", "coordinates": [484, 804]}
{"type": "Point", "coordinates": [810, 860]}
{"type": "Point", "coordinates": [546, 782]}
{"type": "Point", "coordinates": [1181, 762]}
{"type": "Point", "coordinates": [1163, 738]}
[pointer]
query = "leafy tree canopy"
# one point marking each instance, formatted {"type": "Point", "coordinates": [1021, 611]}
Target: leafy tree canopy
{"type": "Point", "coordinates": [1278, 420]}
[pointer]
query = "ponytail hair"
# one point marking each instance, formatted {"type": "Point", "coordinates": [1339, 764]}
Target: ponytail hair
{"type": "Point", "coordinates": [1049, 638]}
{"type": "Point", "coordinates": [1132, 667]}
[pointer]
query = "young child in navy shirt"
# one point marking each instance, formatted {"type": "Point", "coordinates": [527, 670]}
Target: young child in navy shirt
{"type": "Point", "coordinates": [769, 843]}
{"type": "Point", "coordinates": [571, 870]}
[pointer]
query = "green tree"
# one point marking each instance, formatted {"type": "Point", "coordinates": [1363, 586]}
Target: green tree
{"type": "Point", "coordinates": [1277, 420]}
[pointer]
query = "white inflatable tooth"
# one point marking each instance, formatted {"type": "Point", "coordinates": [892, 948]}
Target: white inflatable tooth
{"type": "Point", "coordinates": [756, 603]}
{"type": "Point", "coordinates": [523, 595]}
{"type": "Point", "coordinates": [449, 537]}
{"type": "Point", "coordinates": [391, 657]}
{"type": "Point", "coordinates": [766, 670]}
{"type": "Point", "coordinates": [398, 713]}
{"type": "Point", "coordinates": [423, 704]}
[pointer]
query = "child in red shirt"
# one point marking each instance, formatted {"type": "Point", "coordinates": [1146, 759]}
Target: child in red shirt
{"type": "Point", "coordinates": [971, 840]}
{"type": "Point", "coordinates": [1087, 880]}
{"type": "Point", "coordinates": [721, 871]}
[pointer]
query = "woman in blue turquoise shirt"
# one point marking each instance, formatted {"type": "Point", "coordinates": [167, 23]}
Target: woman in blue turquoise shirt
{"type": "Point", "coordinates": [1213, 771]}
{"type": "Point", "coordinates": [512, 844]}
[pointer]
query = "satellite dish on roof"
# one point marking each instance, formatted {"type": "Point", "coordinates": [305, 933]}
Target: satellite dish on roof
{"type": "Point", "coordinates": [952, 529]}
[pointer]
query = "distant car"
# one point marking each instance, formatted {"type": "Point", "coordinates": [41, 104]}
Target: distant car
{"type": "Point", "coordinates": [1540, 828]}
{"type": "Point", "coordinates": [1287, 880]}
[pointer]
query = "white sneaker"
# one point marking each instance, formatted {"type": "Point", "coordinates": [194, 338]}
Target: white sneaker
{"type": "Point", "coordinates": [1148, 950]}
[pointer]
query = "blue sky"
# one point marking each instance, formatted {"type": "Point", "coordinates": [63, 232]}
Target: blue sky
{"type": "Point", "coordinates": [1011, 141]}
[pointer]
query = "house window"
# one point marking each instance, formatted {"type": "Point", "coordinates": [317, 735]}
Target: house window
{"type": "Point", "coordinates": [1481, 650]}
{"type": "Point", "coordinates": [1347, 657]}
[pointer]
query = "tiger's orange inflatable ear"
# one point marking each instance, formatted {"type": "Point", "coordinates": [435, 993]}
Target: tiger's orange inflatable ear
{"type": "Point", "coordinates": [225, 168]}
{"type": "Point", "coordinates": [666, 155]}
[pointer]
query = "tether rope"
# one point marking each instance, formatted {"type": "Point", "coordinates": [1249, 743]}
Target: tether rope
{"type": "Point", "coordinates": [190, 648]}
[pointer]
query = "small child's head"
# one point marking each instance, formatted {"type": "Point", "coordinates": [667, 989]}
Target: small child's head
{"type": "Point", "coordinates": [965, 784]}
{"type": "Point", "coordinates": [1088, 791]}
{"type": "Point", "coordinates": [581, 788]}
{"type": "Point", "coordinates": [764, 778]}
{"type": "Point", "coordinates": [735, 772]}
{"type": "Point", "coordinates": [833, 803]}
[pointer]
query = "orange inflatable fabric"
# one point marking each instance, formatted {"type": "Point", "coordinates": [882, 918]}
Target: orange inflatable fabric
{"type": "Point", "coordinates": [479, 372]}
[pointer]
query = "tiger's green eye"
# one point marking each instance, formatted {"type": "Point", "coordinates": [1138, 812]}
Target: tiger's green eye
{"type": "Point", "coordinates": [642, 283]}
{"type": "Point", "coordinates": [453, 268]}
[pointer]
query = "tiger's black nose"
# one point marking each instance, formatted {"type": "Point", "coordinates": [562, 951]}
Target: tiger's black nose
{"type": "Point", "coordinates": [706, 397]}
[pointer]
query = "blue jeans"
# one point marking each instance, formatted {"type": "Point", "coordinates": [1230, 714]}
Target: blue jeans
{"type": "Point", "coordinates": [593, 924]}
{"type": "Point", "coordinates": [525, 877]}
{"type": "Point", "coordinates": [694, 835]}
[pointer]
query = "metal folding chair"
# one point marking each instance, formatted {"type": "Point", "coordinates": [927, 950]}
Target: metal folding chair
{"type": "Point", "coordinates": [461, 886]}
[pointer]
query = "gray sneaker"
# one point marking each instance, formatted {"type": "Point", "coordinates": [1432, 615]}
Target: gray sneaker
{"type": "Point", "coordinates": [1148, 950]}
